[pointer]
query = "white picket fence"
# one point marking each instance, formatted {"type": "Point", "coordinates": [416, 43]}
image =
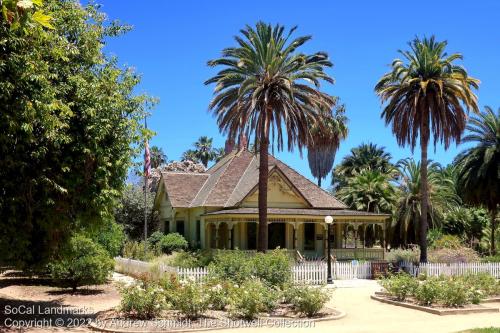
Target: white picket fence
{"type": "Point", "coordinates": [315, 272]}
{"type": "Point", "coordinates": [436, 269]}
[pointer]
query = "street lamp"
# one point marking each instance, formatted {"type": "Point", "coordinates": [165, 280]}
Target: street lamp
{"type": "Point", "coordinates": [329, 221]}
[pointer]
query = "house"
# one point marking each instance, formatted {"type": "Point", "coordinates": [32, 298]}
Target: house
{"type": "Point", "coordinates": [218, 209]}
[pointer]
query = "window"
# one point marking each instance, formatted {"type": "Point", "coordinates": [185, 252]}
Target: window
{"type": "Point", "coordinates": [180, 227]}
{"type": "Point", "coordinates": [309, 236]}
{"type": "Point", "coordinates": [166, 227]}
{"type": "Point", "coordinates": [198, 231]}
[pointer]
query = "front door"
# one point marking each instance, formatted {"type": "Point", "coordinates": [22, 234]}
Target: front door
{"type": "Point", "coordinates": [277, 235]}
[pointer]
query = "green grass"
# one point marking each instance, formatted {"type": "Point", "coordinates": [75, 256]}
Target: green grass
{"type": "Point", "coordinates": [482, 330]}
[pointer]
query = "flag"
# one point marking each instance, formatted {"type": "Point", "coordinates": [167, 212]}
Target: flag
{"type": "Point", "coordinates": [147, 161]}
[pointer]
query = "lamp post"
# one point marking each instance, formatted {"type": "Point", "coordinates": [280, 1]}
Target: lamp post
{"type": "Point", "coordinates": [329, 221]}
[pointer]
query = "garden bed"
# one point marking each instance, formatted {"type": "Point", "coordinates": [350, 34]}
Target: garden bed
{"type": "Point", "coordinates": [172, 321]}
{"type": "Point", "coordinates": [438, 310]}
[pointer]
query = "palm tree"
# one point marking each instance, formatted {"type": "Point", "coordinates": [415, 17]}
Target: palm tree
{"type": "Point", "coordinates": [268, 90]}
{"type": "Point", "coordinates": [158, 157]}
{"type": "Point", "coordinates": [325, 141]}
{"type": "Point", "coordinates": [219, 153]}
{"type": "Point", "coordinates": [369, 191]}
{"type": "Point", "coordinates": [442, 198]}
{"type": "Point", "coordinates": [204, 150]}
{"type": "Point", "coordinates": [479, 172]}
{"type": "Point", "coordinates": [365, 156]}
{"type": "Point", "coordinates": [425, 95]}
{"type": "Point", "coordinates": [190, 155]}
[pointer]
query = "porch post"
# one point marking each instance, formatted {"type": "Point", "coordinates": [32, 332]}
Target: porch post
{"type": "Point", "coordinates": [202, 232]}
{"type": "Point", "coordinates": [217, 235]}
{"type": "Point", "coordinates": [230, 229]}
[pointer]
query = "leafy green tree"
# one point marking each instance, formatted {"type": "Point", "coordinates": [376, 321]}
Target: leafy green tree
{"type": "Point", "coordinates": [69, 126]}
{"type": "Point", "coordinates": [130, 212]}
{"type": "Point", "coordinates": [325, 142]}
{"type": "Point", "coordinates": [365, 156]}
{"type": "Point", "coordinates": [158, 157]}
{"type": "Point", "coordinates": [427, 94]}
{"type": "Point", "coordinates": [269, 90]}
{"type": "Point", "coordinates": [442, 198]}
{"type": "Point", "coordinates": [479, 175]}
{"type": "Point", "coordinates": [24, 14]}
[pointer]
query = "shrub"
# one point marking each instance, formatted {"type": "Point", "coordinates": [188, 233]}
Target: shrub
{"type": "Point", "coordinates": [428, 291]}
{"type": "Point", "coordinates": [400, 255]}
{"type": "Point", "coordinates": [173, 242]}
{"type": "Point", "coordinates": [142, 300]}
{"type": "Point", "coordinates": [190, 299]}
{"type": "Point", "coordinates": [234, 266]}
{"type": "Point", "coordinates": [495, 258]}
{"type": "Point", "coordinates": [273, 268]}
{"type": "Point", "coordinates": [155, 238]}
{"type": "Point", "coordinates": [454, 293]}
{"type": "Point", "coordinates": [248, 300]}
{"type": "Point", "coordinates": [460, 254]}
{"type": "Point", "coordinates": [309, 300]}
{"type": "Point", "coordinates": [400, 285]}
{"type": "Point", "coordinates": [448, 242]}
{"type": "Point", "coordinates": [484, 282]}
{"type": "Point", "coordinates": [138, 250]}
{"type": "Point", "coordinates": [83, 262]}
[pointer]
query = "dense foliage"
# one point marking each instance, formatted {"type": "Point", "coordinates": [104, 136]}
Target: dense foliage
{"type": "Point", "coordinates": [81, 262]}
{"type": "Point", "coordinates": [69, 123]}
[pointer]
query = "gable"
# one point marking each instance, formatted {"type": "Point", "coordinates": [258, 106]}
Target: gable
{"type": "Point", "coordinates": [280, 194]}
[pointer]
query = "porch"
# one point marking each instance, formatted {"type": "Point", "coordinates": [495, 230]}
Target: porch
{"type": "Point", "coordinates": [351, 237]}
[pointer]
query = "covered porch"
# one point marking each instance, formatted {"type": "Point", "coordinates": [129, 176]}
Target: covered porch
{"type": "Point", "coordinates": [353, 235]}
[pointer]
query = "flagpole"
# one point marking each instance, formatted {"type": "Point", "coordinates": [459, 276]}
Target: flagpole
{"type": "Point", "coordinates": [146, 171]}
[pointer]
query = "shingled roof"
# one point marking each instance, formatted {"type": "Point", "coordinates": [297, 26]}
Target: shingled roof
{"type": "Point", "coordinates": [230, 180]}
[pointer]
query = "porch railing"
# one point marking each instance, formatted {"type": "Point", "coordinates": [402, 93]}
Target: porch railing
{"type": "Point", "coordinates": [359, 253]}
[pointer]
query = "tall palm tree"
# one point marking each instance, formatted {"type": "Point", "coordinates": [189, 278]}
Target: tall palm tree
{"type": "Point", "coordinates": [158, 157]}
{"type": "Point", "coordinates": [479, 171]}
{"type": "Point", "coordinates": [325, 141]}
{"type": "Point", "coordinates": [204, 150]}
{"type": "Point", "coordinates": [426, 94]}
{"type": "Point", "coordinates": [268, 90]}
{"type": "Point", "coordinates": [365, 156]}
{"type": "Point", "coordinates": [441, 198]}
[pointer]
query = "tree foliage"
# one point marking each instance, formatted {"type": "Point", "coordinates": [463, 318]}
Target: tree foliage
{"type": "Point", "coordinates": [479, 166]}
{"type": "Point", "coordinates": [325, 141]}
{"type": "Point", "coordinates": [69, 125]}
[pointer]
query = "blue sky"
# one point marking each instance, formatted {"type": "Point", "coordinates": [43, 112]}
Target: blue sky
{"type": "Point", "coordinates": [172, 41]}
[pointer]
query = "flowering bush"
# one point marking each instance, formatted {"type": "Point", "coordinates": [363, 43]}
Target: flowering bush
{"type": "Point", "coordinates": [142, 300]}
{"type": "Point", "coordinates": [248, 300]}
{"type": "Point", "coordinates": [484, 282]}
{"type": "Point", "coordinates": [400, 285]}
{"type": "Point", "coordinates": [454, 293]}
{"type": "Point", "coordinates": [190, 299]}
{"type": "Point", "coordinates": [218, 293]}
{"type": "Point", "coordinates": [428, 291]}
{"type": "Point", "coordinates": [308, 300]}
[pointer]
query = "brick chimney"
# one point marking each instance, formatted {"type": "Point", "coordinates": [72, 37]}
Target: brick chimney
{"type": "Point", "coordinates": [243, 142]}
{"type": "Point", "coordinates": [229, 146]}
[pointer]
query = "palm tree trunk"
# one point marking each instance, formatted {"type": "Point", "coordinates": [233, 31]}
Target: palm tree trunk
{"type": "Point", "coordinates": [263, 178]}
{"type": "Point", "coordinates": [493, 224]}
{"type": "Point", "coordinates": [319, 181]}
{"type": "Point", "coordinates": [424, 141]}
